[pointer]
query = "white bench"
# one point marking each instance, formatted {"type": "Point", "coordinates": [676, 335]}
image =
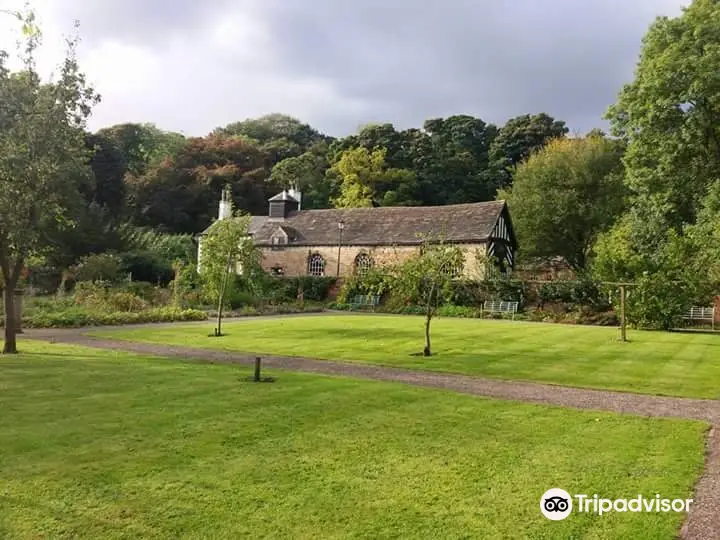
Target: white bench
{"type": "Point", "coordinates": [701, 314]}
{"type": "Point", "coordinates": [496, 306]}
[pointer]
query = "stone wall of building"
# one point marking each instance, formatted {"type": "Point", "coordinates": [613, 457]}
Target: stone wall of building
{"type": "Point", "coordinates": [294, 259]}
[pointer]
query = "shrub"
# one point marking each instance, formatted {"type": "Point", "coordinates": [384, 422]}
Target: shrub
{"type": "Point", "coordinates": [146, 266]}
{"type": "Point", "coordinates": [91, 294]}
{"type": "Point", "coordinates": [98, 267]}
{"type": "Point", "coordinates": [584, 292]}
{"type": "Point", "coordinates": [658, 303]}
{"type": "Point", "coordinates": [450, 310]}
{"type": "Point", "coordinates": [238, 299]}
{"type": "Point", "coordinates": [314, 289]}
{"type": "Point", "coordinates": [374, 282]}
{"type": "Point", "coordinates": [125, 301]}
{"type": "Point", "coordinates": [78, 317]}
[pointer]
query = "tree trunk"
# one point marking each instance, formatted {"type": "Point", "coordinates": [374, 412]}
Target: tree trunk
{"type": "Point", "coordinates": [218, 330]}
{"type": "Point", "coordinates": [427, 351]}
{"type": "Point", "coordinates": [10, 345]}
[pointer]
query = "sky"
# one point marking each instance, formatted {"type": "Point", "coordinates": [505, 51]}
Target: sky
{"type": "Point", "coordinates": [191, 66]}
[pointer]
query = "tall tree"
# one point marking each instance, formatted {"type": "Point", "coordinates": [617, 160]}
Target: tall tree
{"type": "Point", "coordinates": [456, 170]}
{"type": "Point", "coordinates": [670, 113]}
{"type": "Point", "coordinates": [518, 139]}
{"type": "Point", "coordinates": [565, 195]}
{"type": "Point", "coordinates": [306, 173]}
{"type": "Point", "coordinates": [109, 168]}
{"type": "Point", "coordinates": [42, 156]}
{"type": "Point", "coordinates": [143, 145]}
{"type": "Point", "coordinates": [366, 180]}
{"type": "Point", "coordinates": [180, 194]}
{"type": "Point", "coordinates": [279, 136]}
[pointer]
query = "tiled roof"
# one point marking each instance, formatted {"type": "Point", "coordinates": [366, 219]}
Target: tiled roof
{"type": "Point", "coordinates": [391, 225]}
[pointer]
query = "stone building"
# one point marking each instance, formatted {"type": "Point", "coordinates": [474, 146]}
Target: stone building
{"type": "Point", "coordinates": [341, 242]}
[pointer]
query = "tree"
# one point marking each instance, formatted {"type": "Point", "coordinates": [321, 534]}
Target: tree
{"type": "Point", "coordinates": [143, 145]}
{"type": "Point", "coordinates": [668, 116]}
{"type": "Point", "coordinates": [180, 194]}
{"type": "Point", "coordinates": [306, 173]}
{"type": "Point", "coordinates": [670, 113]}
{"type": "Point", "coordinates": [454, 167]}
{"type": "Point", "coordinates": [226, 248]}
{"type": "Point", "coordinates": [518, 139]}
{"type": "Point", "coordinates": [565, 195]}
{"type": "Point", "coordinates": [279, 136]}
{"type": "Point", "coordinates": [43, 157]}
{"type": "Point", "coordinates": [426, 278]}
{"type": "Point", "coordinates": [109, 167]}
{"type": "Point", "coordinates": [366, 181]}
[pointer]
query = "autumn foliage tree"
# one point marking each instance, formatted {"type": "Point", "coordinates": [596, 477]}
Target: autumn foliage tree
{"type": "Point", "coordinates": [43, 158]}
{"type": "Point", "coordinates": [180, 194]}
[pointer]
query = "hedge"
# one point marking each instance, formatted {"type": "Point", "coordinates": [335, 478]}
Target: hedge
{"type": "Point", "coordinates": [78, 317]}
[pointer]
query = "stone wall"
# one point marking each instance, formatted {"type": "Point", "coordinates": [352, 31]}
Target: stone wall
{"type": "Point", "coordinates": [293, 259]}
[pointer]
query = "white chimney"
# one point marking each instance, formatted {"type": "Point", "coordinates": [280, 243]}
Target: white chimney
{"type": "Point", "coordinates": [225, 205]}
{"type": "Point", "coordinates": [295, 194]}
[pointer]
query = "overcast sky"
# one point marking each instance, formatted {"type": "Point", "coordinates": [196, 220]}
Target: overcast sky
{"type": "Point", "coordinates": [190, 65]}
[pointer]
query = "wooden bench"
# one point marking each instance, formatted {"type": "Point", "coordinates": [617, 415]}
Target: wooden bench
{"type": "Point", "coordinates": [367, 300]}
{"type": "Point", "coordinates": [496, 306]}
{"type": "Point", "coordinates": [701, 314]}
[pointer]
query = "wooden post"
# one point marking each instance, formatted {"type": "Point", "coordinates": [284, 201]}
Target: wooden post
{"type": "Point", "coordinates": [623, 325]}
{"type": "Point", "coordinates": [256, 378]}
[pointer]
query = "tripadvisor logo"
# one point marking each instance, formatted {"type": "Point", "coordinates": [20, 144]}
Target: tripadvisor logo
{"type": "Point", "coordinates": [557, 504]}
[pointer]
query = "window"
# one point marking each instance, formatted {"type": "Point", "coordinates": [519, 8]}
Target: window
{"type": "Point", "coordinates": [277, 271]}
{"type": "Point", "coordinates": [363, 263]}
{"type": "Point", "coordinates": [316, 265]}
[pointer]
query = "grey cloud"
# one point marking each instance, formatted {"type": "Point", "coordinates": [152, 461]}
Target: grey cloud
{"type": "Point", "coordinates": [400, 61]}
{"type": "Point", "coordinates": [495, 59]}
{"type": "Point", "coordinates": [139, 22]}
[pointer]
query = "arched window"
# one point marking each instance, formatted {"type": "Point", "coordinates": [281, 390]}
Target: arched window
{"type": "Point", "coordinates": [316, 265]}
{"type": "Point", "coordinates": [363, 263]}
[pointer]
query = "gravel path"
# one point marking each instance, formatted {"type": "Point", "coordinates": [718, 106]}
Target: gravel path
{"type": "Point", "coordinates": [703, 521]}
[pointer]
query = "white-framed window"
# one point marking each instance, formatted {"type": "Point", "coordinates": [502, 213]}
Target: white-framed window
{"type": "Point", "coordinates": [363, 263]}
{"type": "Point", "coordinates": [316, 265]}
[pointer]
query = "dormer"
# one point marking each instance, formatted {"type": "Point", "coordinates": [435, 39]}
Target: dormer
{"type": "Point", "coordinates": [282, 204]}
{"type": "Point", "coordinates": [279, 238]}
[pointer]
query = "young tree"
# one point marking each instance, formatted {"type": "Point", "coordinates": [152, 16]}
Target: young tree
{"type": "Point", "coordinates": [43, 157]}
{"type": "Point", "coordinates": [226, 249]}
{"type": "Point", "coordinates": [565, 195]}
{"type": "Point", "coordinates": [427, 278]}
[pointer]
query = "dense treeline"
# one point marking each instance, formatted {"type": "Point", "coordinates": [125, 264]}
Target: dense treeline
{"type": "Point", "coordinates": [152, 178]}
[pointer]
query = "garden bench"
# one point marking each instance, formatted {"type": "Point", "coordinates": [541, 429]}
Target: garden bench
{"type": "Point", "coordinates": [496, 306]}
{"type": "Point", "coordinates": [701, 314]}
{"type": "Point", "coordinates": [367, 300]}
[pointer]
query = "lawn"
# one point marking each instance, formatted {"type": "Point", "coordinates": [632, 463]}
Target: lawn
{"type": "Point", "coordinates": [679, 364]}
{"type": "Point", "coordinates": [100, 444]}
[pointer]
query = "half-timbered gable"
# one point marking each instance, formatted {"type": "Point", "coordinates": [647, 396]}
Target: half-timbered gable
{"type": "Point", "coordinates": [501, 243]}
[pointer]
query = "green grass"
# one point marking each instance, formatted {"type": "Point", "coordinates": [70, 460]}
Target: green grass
{"type": "Point", "coordinates": [100, 444]}
{"type": "Point", "coordinates": [678, 364]}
